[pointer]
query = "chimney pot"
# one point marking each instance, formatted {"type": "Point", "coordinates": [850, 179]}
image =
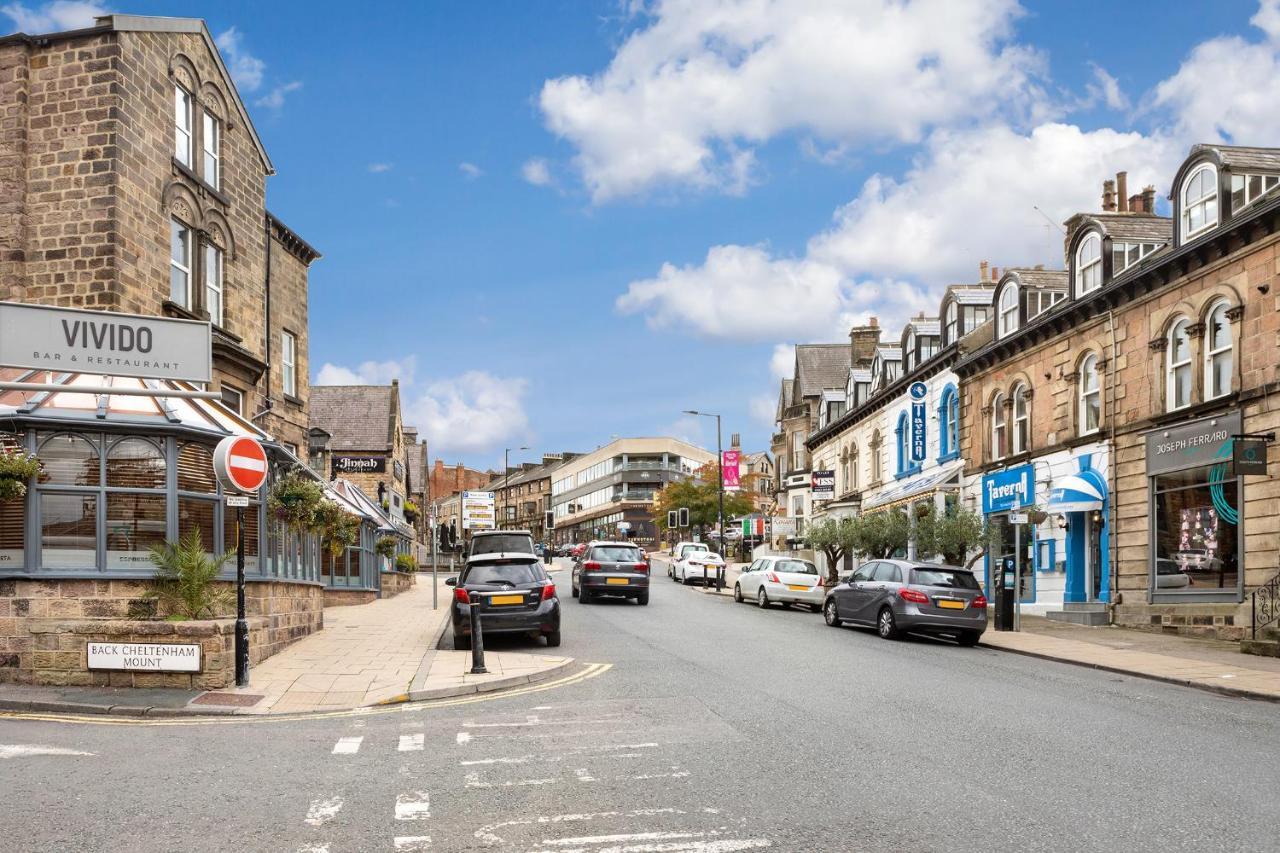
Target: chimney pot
{"type": "Point", "coordinates": [982, 270]}
{"type": "Point", "coordinates": [1149, 199]}
{"type": "Point", "coordinates": [995, 273]}
{"type": "Point", "coordinates": [1108, 195]}
{"type": "Point", "coordinates": [1122, 191]}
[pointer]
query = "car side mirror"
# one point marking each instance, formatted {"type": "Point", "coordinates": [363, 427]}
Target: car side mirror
{"type": "Point", "coordinates": [450, 581]}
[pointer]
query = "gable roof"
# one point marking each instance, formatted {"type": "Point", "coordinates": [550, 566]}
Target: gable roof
{"type": "Point", "coordinates": [821, 366]}
{"type": "Point", "coordinates": [357, 416]}
{"type": "Point", "coordinates": [968, 294]}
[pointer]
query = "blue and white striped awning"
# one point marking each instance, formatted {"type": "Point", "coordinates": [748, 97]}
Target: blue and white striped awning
{"type": "Point", "coordinates": [1083, 492]}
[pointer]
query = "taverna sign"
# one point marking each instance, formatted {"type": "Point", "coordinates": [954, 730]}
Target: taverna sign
{"type": "Point", "coordinates": [72, 340]}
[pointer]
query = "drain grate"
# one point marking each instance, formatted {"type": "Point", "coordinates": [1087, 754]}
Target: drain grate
{"type": "Point", "coordinates": [236, 700]}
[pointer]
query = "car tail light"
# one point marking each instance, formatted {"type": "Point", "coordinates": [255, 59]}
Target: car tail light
{"type": "Point", "coordinates": [772, 578]}
{"type": "Point", "coordinates": [461, 596]}
{"type": "Point", "coordinates": [819, 584]}
{"type": "Point", "coordinates": [642, 567]}
{"type": "Point", "coordinates": [548, 591]}
{"type": "Point", "coordinates": [591, 566]}
{"type": "Point", "coordinates": [915, 595]}
{"type": "Point", "coordinates": [979, 603]}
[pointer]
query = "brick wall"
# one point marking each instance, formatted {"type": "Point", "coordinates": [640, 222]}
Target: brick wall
{"type": "Point", "coordinates": [447, 479]}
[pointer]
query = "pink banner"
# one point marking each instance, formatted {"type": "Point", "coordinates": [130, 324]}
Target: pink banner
{"type": "Point", "coordinates": [729, 462]}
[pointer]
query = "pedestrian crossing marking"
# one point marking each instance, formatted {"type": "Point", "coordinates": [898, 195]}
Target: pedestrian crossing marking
{"type": "Point", "coordinates": [412, 743]}
{"type": "Point", "coordinates": [347, 745]}
{"type": "Point", "coordinates": [413, 806]}
{"type": "Point", "coordinates": [321, 812]}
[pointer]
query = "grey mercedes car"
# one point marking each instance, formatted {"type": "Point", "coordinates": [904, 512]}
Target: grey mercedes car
{"type": "Point", "coordinates": [902, 596]}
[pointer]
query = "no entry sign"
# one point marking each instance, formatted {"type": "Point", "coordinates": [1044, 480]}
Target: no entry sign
{"type": "Point", "coordinates": [240, 464]}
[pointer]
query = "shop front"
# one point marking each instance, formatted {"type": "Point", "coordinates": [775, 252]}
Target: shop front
{"type": "Point", "coordinates": [1007, 498]}
{"type": "Point", "coordinates": [1079, 505]}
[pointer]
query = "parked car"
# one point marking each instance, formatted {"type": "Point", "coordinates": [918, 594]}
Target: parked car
{"type": "Point", "coordinates": [576, 551]}
{"type": "Point", "coordinates": [516, 597]}
{"type": "Point", "coordinates": [1197, 560]}
{"type": "Point", "coordinates": [1170, 575]}
{"type": "Point", "coordinates": [899, 596]}
{"type": "Point", "coordinates": [679, 552]}
{"type": "Point", "coordinates": [700, 566]}
{"type": "Point", "coordinates": [611, 568]}
{"type": "Point", "coordinates": [781, 580]}
{"type": "Point", "coordinates": [495, 544]}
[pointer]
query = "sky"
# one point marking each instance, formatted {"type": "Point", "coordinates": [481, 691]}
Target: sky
{"type": "Point", "coordinates": [558, 222]}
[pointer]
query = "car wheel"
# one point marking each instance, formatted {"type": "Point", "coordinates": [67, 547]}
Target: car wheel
{"type": "Point", "coordinates": [462, 643]}
{"type": "Point", "coordinates": [737, 593]}
{"type": "Point", "coordinates": [553, 639]}
{"type": "Point", "coordinates": [831, 615]}
{"type": "Point", "coordinates": [643, 598]}
{"type": "Point", "coordinates": [969, 638]}
{"type": "Point", "coordinates": [762, 598]}
{"type": "Point", "coordinates": [886, 625]}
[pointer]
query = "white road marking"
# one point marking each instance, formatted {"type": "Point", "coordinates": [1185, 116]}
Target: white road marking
{"type": "Point", "coordinates": [488, 836]}
{"type": "Point", "coordinates": [412, 842]}
{"type": "Point", "coordinates": [26, 750]}
{"type": "Point", "coordinates": [314, 848]}
{"type": "Point", "coordinates": [413, 806]}
{"type": "Point", "coordinates": [631, 836]}
{"type": "Point", "coordinates": [724, 845]}
{"type": "Point", "coordinates": [474, 781]}
{"type": "Point", "coordinates": [681, 774]}
{"type": "Point", "coordinates": [584, 775]}
{"type": "Point", "coordinates": [412, 743]}
{"type": "Point", "coordinates": [535, 720]}
{"type": "Point", "coordinates": [347, 745]}
{"type": "Point", "coordinates": [464, 737]}
{"type": "Point", "coordinates": [322, 811]}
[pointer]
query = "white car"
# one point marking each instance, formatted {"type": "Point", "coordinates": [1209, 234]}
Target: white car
{"type": "Point", "coordinates": [781, 580]}
{"type": "Point", "coordinates": [702, 566]}
{"type": "Point", "coordinates": [679, 552]}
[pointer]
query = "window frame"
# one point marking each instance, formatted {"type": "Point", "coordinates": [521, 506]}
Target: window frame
{"type": "Point", "coordinates": [1202, 201]}
{"type": "Point", "coordinates": [903, 431]}
{"type": "Point", "coordinates": [948, 424]}
{"type": "Point", "coordinates": [1087, 268]}
{"type": "Point", "coordinates": [223, 388]}
{"type": "Point", "coordinates": [951, 323]}
{"type": "Point", "coordinates": [289, 362]}
{"type": "Point", "coordinates": [1007, 313]}
{"type": "Point", "coordinates": [213, 260]}
{"type": "Point", "coordinates": [176, 227]}
{"type": "Point", "coordinates": [1211, 353]}
{"type": "Point", "coordinates": [1088, 366]}
{"type": "Point", "coordinates": [214, 154]}
{"type": "Point", "coordinates": [1020, 435]}
{"type": "Point", "coordinates": [1172, 368]}
{"type": "Point", "coordinates": [184, 112]}
{"type": "Point", "coordinates": [999, 428]}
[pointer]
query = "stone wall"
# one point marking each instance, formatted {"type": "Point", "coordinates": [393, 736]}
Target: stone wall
{"type": "Point", "coordinates": [67, 613]}
{"type": "Point", "coordinates": [336, 596]}
{"type": "Point", "coordinates": [394, 583]}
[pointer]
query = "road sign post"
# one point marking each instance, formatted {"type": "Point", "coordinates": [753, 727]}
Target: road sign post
{"type": "Point", "coordinates": [240, 464]}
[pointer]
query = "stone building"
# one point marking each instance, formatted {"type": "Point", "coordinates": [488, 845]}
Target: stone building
{"type": "Point", "coordinates": [523, 497]}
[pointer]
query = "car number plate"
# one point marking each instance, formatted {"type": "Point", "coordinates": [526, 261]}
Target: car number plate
{"type": "Point", "coordinates": [618, 581]}
{"type": "Point", "coordinates": [950, 605]}
{"type": "Point", "coordinates": [506, 599]}
{"type": "Point", "coordinates": [797, 586]}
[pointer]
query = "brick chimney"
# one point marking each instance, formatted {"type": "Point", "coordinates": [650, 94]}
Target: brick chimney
{"type": "Point", "coordinates": [1149, 199]}
{"type": "Point", "coordinates": [1108, 196]}
{"type": "Point", "coordinates": [1122, 191]}
{"type": "Point", "coordinates": [982, 270]}
{"type": "Point", "coordinates": [995, 273]}
{"type": "Point", "coordinates": [1136, 202]}
{"type": "Point", "coordinates": [863, 341]}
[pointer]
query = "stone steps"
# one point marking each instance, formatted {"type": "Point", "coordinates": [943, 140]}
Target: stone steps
{"type": "Point", "coordinates": [1081, 613]}
{"type": "Point", "coordinates": [1267, 644]}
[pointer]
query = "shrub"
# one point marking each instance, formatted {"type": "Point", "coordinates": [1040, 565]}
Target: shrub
{"type": "Point", "coordinates": [185, 579]}
{"type": "Point", "coordinates": [406, 563]}
{"type": "Point", "coordinates": [338, 528]}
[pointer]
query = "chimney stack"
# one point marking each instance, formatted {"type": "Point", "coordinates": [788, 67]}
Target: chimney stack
{"type": "Point", "coordinates": [1136, 204]}
{"type": "Point", "coordinates": [863, 341]}
{"type": "Point", "coordinates": [995, 273]}
{"type": "Point", "coordinates": [1149, 199]}
{"type": "Point", "coordinates": [1108, 196]}
{"type": "Point", "coordinates": [982, 270]}
{"type": "Point", "coordinates": [1122, 191]}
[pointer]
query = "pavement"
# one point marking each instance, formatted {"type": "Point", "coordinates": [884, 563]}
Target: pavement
{"type": "Point", "coordinates": [372, 654]}
{"type": "Point", "coordinates": [719, 727]}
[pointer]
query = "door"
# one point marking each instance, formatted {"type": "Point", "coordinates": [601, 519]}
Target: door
{"type": "Point", "coordinates": [849, 596]}
{"type": "Point", "coordinates": [750, 579]}
{"type": "Point", "coordinates": [1093, 558]}
{"type": "Point", "coordinates": [882, 589]}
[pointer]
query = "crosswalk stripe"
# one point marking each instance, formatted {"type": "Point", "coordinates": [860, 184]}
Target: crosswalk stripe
{"type": "Point", "coordinates": [347, 745]}
{"type": "Point", "coordinates": [412, 743]}
{"type": "Point", "coordinates": [413, 806]}
{"type": "Point", "coordinates": [412, 842]}
{"type": "Point", "coordinates": [322, 811]}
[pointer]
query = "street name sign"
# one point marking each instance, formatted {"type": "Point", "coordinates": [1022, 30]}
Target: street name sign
{"type": "Point", "coordinates": [144, 657]}
{"type": "Point", "coordinates": [240, 464]}
{"type": "Point", "coordinates": [478, 511]}
{"type": "Point", "coordinates": [73, 340]}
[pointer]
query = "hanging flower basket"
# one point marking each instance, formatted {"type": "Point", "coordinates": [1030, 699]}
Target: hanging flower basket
{"type": "Point", "coordinates": [385, 546]}
{"type": "Point", "coordinates": [338, 528]}
{"type": "Point", "coordinates": [294, 499]}
{"type": "Point", "coordinates": [16, 468]}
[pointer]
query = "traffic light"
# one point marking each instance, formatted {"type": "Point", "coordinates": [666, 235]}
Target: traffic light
{"type": "Point", "coordinates": [550, 523]}
{"type": "Point", "coordinates": [684, 516]}
{"type": "Point", "coordinates": [671, 519]}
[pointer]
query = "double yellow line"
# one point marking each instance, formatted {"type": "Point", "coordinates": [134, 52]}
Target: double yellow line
{"type": "Point", "coordinates": [590, 670]}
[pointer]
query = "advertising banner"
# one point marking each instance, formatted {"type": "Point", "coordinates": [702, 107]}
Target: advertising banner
{"type": "Point", "coordinates": [359, 465]}
{"type": "Point", "coordinates": [478, 511]}
{"type": "Point", "coordinates": [729, 463]}
{"type": "Point", "coordinates": [919, 440]}
{"type": "Point", "coordinates": [1008, 490]}
{"type": "Point", "coordinates": [824, 485]}
{"type": "Point", "coordinates": [783, 526]}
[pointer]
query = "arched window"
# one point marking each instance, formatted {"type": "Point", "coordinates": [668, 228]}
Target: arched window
{"type": "Point", "coordinates": [1178, 369]}
{"type": "Point", "coordinates": [948, 422]}
{"type": "Point", "coordinates": [1008, 312]}
{"type": "Point", "coordinates": [69, 460]}
{"type": "Point", "coordinates": [1089, 264]}
{"type": "Point", "coordinates": [1218, 356]}
{"type": "Point", "coordinates": [904, 443]}
{"type": "Point", "coordinates": [1021, 419]}
{"type": "Point", "coordinates": [1200, 201]}
{"type": "Point", "coordinates": [951, 327]}
{"type": "Point", "coordinates": [876, 460]}
{"type": "Point", "coordinates": [136, 463]}
{"type": "Point", "coordinates": [1090, 396]}
{"type": "Point", "coordinates": [999, 429]}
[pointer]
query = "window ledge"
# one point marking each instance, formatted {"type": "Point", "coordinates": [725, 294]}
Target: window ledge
{"type": "Point", "coordinates": [948, 457]}
{"type": "Point", "coordinates": [289, 398]}
{"type": "Point", "coordinates": [173, 309]}
{"type": "Point", "coordinates": [907, 472]}
{"type": "Point", "coordinates": [190, 174]}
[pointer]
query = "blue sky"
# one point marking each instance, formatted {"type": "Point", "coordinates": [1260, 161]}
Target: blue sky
{"type": "Point", "coordinates": [562, 221]}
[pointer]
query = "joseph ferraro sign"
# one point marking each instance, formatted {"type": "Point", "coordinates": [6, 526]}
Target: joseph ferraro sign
{"type": "Point", "coordinates": [72, 340]}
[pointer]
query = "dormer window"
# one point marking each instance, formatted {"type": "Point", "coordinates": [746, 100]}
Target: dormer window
{"type": "Point", "coordinates": [909, 352]}
{"type": "Point", "coordinates": [1246, 189]}
{"type": "Point", "coordinates": [951, 326]}
{"type": "Point", "coordinates": [1125, 255]}
{"type": "Point", "coordinates": [928, 347]}
{"type": "Point", "coordinates": [1008, 311]}
{"type": "Point", "coordinates": [1040, 301]}
{"type": "Point", "coordinates": [1089, 264]}
{"type": "Point", "coordinates": [1200, 201]}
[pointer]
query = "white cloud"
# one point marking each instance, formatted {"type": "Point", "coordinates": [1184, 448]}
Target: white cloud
{"type": "Point", "coordinates": [471, 413]}
{"type": "Point", "coordinates": [368, 373]}
{"type": "Point", "coordinates": [379, 168]}
{"type": "Point", "coordinates": [782, 363]}
{"type": "Point", "coordinates": [470, 170]}
{"type": "Point", "coordinates": [53, 17]}
{"type": "Point", "coordinates": [274, 99]}
{"type": "Point", "coordinates": [536, 171]}
{"type": "Point", "coordinates": [246, 69]}
{"type": "Point", "coordinates": [686, 98]}
{"type": "Point", "coordinates": [764, 408]}
{"type": "Point", "coordinates": [1106, 89]}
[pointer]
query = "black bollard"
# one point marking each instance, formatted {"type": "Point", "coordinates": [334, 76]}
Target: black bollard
{"type": "Point", "coordinates": [477, 637]}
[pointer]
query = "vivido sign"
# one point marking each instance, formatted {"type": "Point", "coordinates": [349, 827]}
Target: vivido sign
{"type": "Point", "coordinates": [144, 657]}
{"type": "Point", "coordinates": [42, 337]}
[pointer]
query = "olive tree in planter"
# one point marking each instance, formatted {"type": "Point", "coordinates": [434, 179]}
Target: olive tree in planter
{"type": "Point", "coordinates": [16, 469]}
{"type": "Point", "coordinates": [186, 578]}
{"type": "Point", "coordinates": [835, 538]}
{"type": "Point", "coordinates": [294, 499]}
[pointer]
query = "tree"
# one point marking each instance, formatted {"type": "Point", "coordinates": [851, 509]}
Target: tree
{"type": "Point", "coordinates": [878, 535]}
{"type": "Point", "coordinates": [960, 536]}
{"type": "Point", "coordinates": [834, 538]}
{"type": "Point", "coordinates": [700, 494]}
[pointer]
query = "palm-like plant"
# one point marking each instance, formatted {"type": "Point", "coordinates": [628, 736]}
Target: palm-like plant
{"type": "Point", "coordinates": [186, 578]}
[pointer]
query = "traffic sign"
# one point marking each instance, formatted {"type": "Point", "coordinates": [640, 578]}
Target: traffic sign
{"type": "Point", "coordinates": [240, 464]}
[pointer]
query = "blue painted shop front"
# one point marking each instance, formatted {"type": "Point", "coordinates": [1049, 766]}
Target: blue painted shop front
{"type": "Point", "coordinates": [1081, 501]}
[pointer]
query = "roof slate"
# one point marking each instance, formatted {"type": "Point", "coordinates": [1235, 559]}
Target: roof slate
{"type": "Point", "coordinates": [970, 295]}
{"type": "Point", "coordinates": [821, 366]}
{"type": "Point", "coordinates": [1145, 227]}
{"type": "Point", "coordinates": [1048, 279]}
{"type": "Point", "coordinates": [355, 415]}
{"type": "Point", "coordinates": [1244, 156]}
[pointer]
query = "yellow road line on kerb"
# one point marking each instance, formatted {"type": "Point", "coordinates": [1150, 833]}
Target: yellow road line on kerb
{"type": "Point", "coordinates": [591, 670]}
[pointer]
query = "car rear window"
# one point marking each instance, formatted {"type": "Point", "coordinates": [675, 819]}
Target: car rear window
{"type": "Point", "coordinates": [616, 554]}
{"type": "Point", "coordinates": [689, 549]}
{"type": "Point", "coordinates": [796, 567]}
{"type": "Point", "coordinates": [502, 543]}
{"type": "Point", "coordinates": [513, 573]}
{"type": "Point", "coordinates": [944, 577]}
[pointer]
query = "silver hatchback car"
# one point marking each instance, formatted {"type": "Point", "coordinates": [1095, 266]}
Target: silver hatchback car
{"type": "Point", "coordinates": [901, 596]}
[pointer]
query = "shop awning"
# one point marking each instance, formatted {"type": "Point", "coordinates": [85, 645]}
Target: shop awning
{"type": "Point", "coordinates": [1083, 492]}
{"type": "Point", "coordinates": [370, 509]}
{"type": "Point", "coordinates": [915, 488]}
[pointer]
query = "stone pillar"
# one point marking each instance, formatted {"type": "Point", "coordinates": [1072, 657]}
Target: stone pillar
{"type": "Point", "coordinates": [15, 85]}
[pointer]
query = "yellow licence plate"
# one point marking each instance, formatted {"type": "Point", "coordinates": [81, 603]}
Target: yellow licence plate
{"type": "Point", "coordinates": [796, 586]}
{"type": "Point", "coordinates": [618, 581]}
{"type": "Point", "coordinates": [951, 605]}
{"type": "Point", "coordinates": [506, 599]}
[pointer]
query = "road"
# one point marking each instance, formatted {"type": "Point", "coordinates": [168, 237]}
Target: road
{"type": "Point", "coordinates": [719, 727]}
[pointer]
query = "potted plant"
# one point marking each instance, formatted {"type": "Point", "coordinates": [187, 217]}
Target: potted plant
{"type": "Point", "coordinates": [406, 563]}
{"type": "Point", "coordinates": [16, 468]}
{"type": "Point", "coordinates": [338, 528]}
{"type": "Point", "coordinates": [410, 511]}
{"type": "Point", "coordinates": [186, 578]}
{"type": "Point", "coordinates": [294, 499]}
{"type": "Point", "coordinates": [385, 546]}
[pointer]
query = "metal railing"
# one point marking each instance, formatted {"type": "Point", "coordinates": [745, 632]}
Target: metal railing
{"type": "Point", "coordinates": [1264, 605]}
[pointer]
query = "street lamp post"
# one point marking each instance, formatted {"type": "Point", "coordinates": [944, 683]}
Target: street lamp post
{"type": "Point", "coordinates": [720, 483]}
{"type": "Point", "coordinates": [506, 479]}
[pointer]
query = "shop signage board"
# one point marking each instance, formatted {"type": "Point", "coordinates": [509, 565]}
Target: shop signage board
{"type": "Point", "coordinates": [478, 511]}
{"type": "Point", "coordinates": [74, 340]}
{"type": "Point", "coordinates": [144, 657]}
{"type": "Point", "coordinates": [1004, 491]}
{"type": "Point", "coordinates": [730, 461]}
{"type": "Point", "coordinates": [919, 439]}
{"type": "Point", "coordinates": [240, 464]}
{"type": "Point", "coordinates": [358, 465]}
{"type": "Point", "coordinates": [824, 485]}
{"type": "Point", "coordinates": [1249, 456]}
{"type": "Point", "coordinates": [784, 526]}
{"type": "Point", "coordinates": [1195, 444]}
